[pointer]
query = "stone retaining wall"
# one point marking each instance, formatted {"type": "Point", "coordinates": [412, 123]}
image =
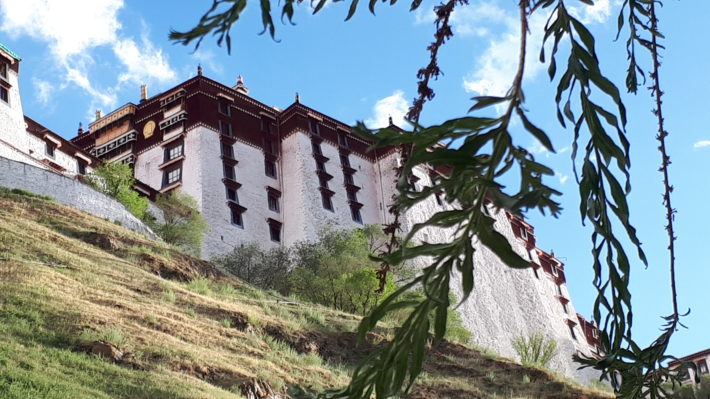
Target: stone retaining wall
{"type": "Point", "coordinates": [70, 192]}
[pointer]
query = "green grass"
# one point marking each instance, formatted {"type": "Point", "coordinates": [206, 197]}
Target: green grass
{"type": "Point", "coordinates": [198, 336]}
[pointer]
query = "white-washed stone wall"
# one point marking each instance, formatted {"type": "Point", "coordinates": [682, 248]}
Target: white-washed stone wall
{"type": "Point", "coordinates": [146, 167]}
{"type": "Point", "coordinates": [249, 172]}
{"type": "Point", "coordinates": [305, 215]}
{"type": "Point", "coordinates": [68, 191]}
{"type": "Point", "coordinates": [506, 303]}
{"type": "Point", "coordinates": [37, 148]}
{"type": "Point", "coordinates": [296, 163]}
{"type": "Point", "coordinates": [367, 179]}
{"type": "Point", "coordinates": [386, 168]}
{"type": "Point", "coordinates": [12, 119]}
{"type": "Point", "coordinates": [9, 151]}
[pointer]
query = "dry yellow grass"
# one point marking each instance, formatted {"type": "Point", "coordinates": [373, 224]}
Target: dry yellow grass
{"type": "Point", "coordinates": [197, 334]}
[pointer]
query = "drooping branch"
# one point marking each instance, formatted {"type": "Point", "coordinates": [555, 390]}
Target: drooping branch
{"type": "Point", "coordinates": [432, 71]}
{"type": "Point", "coordinates": [657, 93]}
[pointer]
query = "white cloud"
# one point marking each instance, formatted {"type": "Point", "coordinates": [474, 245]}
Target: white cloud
{"type": "Point", "coordinates": [394, 106]}
{"type": "Point", "coordinates": [701, 144]}
{"type": "Point", "coordinates": [496, 66]}
{"type": "Point", "coordinates": [472, 20]}
{"type": "Point", "coordinates": [206, 58]}
{"type": "Point", "coordinates": [597, 13]}
{"type": "Point", "coordinates": [424, 15]}
{"type": "Point", "coordinates": [70, 26]}
{"type": "Point", "coordinates": [537, 148]}
{"type": "Point", "coordinates": [72, 30]}
{"type": "Point", "coordinates": [43, 90]}
{"type": "Point", "coordinates": [143, 63]}
{"type": "Point", "coordinates": [561, 177]}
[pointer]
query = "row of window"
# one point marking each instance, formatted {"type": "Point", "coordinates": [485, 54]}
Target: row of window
{"type": "Point", "coordinates": [224, 108]}
{"type": "Point", "coordinates": [274, 228]}
{"type": "Point", "coordinates": [236, 212]}
{"type": "Point", "coordinates": [4, 85]}
{"type": "Point", "coordinates": [324, 177]}
{"type": "Point", "coordinates": [314, 127]}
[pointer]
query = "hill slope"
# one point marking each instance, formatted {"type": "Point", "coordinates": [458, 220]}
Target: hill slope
{"type": "Point", "coordinates": [71, 283]}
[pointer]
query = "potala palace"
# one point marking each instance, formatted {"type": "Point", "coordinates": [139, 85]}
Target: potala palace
{"type": "Point", "coordinates": [276, 176]}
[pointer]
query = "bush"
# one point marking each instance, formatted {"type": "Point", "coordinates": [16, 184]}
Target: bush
{"type": "Point", "coordinates": [116, 180]}
{"type": "Point", "coordinates": [266, 269]}
{"type": "Point", "coordinates": [184, 226]}
{"type": "Point", "coordinates": [690, 391]}
{"type": "Point", "coordinates": [336, 271]}
{"type": "Point", "coordinates": [535, 350]}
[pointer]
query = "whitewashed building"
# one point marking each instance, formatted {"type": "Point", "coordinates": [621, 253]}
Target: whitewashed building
{"type": "Point", "coordinates": [275, 177]}
{"type": "Point", "coordinates": [25, 140]}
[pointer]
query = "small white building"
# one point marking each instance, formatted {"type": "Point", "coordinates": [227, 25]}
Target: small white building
{"type": "Point", "coordinates": [701, 360]}
{"type": "Point", "coordinates": [25, 140]}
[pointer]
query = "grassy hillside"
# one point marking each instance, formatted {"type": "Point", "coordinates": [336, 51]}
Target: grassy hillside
{"type": "Point", "coordinates": [68, 280]}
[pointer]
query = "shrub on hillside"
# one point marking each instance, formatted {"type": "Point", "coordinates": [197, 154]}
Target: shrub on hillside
{"type": "Point", "coordinates": [535, 349]}
{"type": "Point", "coordinates": [266, 269]}
{"type": "Point", "coordinates": [690, 391]}
{"type": "Point", "coordinates": [336, 271]}
{"type": "Point", "coordinates": [183, 224]}
{"type": "Point", "coordinates": [116, 180]}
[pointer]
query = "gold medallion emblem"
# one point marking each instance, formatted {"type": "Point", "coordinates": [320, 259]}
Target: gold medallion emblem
{"type": "Point", "coordinates": [148, 129]}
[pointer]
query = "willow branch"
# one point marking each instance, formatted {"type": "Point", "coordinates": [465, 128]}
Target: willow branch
{"type": "Point", "coordinates": [665, 159]}
{"type": "Point", "coordinates": [432, 70]}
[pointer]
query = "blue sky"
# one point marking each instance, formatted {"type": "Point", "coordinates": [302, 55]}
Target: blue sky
{"type": "Point", "coordinates": [83, 55]}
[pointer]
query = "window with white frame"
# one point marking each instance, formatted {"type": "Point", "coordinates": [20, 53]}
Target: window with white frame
{"type": "Point", "coordinates": [172, 176]}
{"type": "Point", "coordinates": [173, 152]}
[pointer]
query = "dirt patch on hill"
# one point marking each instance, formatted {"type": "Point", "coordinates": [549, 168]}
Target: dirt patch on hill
{"type": "Point", "coordinates": [341, 347]}
{"type": "Point", "coordinates": [178, 267]}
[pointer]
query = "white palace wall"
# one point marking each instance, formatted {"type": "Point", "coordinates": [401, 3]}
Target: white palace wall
{"type": "Point", "coordinates": [301, 192]}
{"type": "Point", "coordinates": [12, 121]}
{"type": "Point", "coordinates": [505, 303]}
